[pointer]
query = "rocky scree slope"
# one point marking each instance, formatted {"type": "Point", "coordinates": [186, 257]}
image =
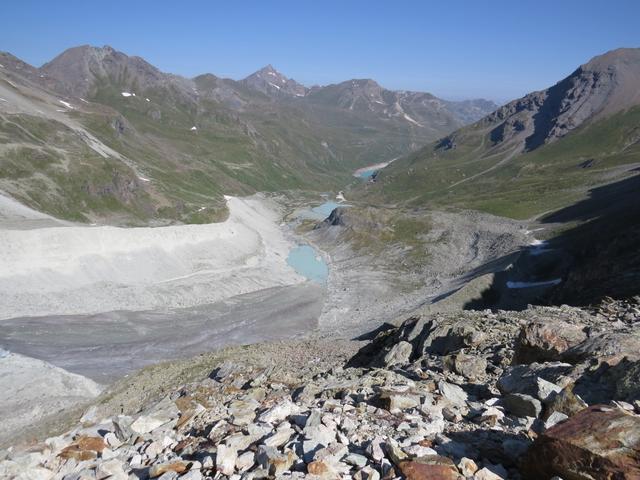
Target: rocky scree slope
{"type": "Point", "coordinates": [535, 154]}
{"type": "Point", "coordinates": [548, 392]}
{"type": "Point", "coordinates": [386, 262]}
{"type": "Point", "coordinates": [173, 145]}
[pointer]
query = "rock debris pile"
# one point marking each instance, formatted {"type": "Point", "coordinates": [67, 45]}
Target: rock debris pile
{"type": "Point", "coordinates": [544, 393]}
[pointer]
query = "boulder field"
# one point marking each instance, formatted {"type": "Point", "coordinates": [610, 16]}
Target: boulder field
{"type": "Point", "coordinates": [538, 394]}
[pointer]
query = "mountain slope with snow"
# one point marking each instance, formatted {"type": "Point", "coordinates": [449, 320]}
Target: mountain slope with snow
{"type": "Point", "coordinates": [96, 135]}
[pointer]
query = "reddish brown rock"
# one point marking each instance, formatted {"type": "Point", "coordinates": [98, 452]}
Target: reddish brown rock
{"type": "Point", "coordinates": [157, 470]}
{"type": "Point", "coordinates": [75, 452]}
{"type": "Point", "coordinates": [185, 403]}
{"type": "Point", "coordinates": [600, 442]}
{"type": "Point", "coordinates": [95, 444]}
{"type": "Point", "coordinates": [318, 468]}
{"type": "Point", "coordinates": [432, 467]}
{"type": "Point", "coordinates": [84, 448]}
{"type": "Point", "coordinates": [545, 340]}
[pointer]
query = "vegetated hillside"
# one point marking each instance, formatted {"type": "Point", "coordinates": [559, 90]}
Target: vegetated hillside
{"type": "Point", "coordinates": [99, 135]}
{"type": "Point", "coordinates": [533, 155]}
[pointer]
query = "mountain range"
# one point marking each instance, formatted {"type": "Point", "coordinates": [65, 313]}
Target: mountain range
{"type": "Point", "coordinates": [97, 135]}
{"type": "Point", "coordinates": [535, 154]}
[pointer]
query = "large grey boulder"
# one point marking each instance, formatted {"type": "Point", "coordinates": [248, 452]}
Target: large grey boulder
{"type": "Point", "coordinates": [608, 346]}
{"type": "Point", "coordinates": [279, 412]}
{"type": "Point", "coordinates": [436, 335]}
{"type": "Point", "coordinates": [524, 378]}
{"type": "Point", "coordinates": [160, 414]}
{"type": "Point", "coordinates": [453, 393]}
{"type": "Point", "coordinates": [546, 340]}
{"type": "Point", "coordinates": [399, 354]}
{"type": "Point", "coordinates": [473, 367]}
{"type": "Point", "coordinates": [522, 405]}
{"type": "Point", "coordinates": [545, 389]}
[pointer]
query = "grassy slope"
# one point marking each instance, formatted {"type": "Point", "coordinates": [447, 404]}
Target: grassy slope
{"type": "Point", "coordinates": [529, 184]}
{"type": "Point", "coordinates": [292, 147]}
{"type": "Point", "coordinates": [264, 146]}
{"type": "Point", "coordinates": [46, 165]}
{"type": "Point", "coordinates": [49, 167]}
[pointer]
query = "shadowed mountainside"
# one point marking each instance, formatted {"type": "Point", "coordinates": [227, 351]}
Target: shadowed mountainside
{"type": "Point", "coordinates": [594, 255]}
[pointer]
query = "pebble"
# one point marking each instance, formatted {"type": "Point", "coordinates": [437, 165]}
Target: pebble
{"type": "Point", "coordinates": [226, 459]}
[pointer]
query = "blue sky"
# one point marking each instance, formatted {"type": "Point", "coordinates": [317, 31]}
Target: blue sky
{"type": "Point", "coordinates": [455, 49]}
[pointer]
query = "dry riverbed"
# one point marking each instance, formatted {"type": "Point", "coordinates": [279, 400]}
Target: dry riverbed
{"type": "Point", "coordinates": [99, 303]}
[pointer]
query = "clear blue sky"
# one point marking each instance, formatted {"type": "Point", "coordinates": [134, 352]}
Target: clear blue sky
{"type": "Point", "coordinates": [455, 49]}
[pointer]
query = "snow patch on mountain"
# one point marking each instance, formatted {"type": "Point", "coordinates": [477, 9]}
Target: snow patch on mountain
{"type": "Point", "coordinates": [411, 120]}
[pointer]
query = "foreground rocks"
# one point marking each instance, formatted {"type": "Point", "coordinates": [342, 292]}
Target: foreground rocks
{"type": "Point", "coordinates": [475, 395]}
{"type": "Point", "coordinates": [600, 440]}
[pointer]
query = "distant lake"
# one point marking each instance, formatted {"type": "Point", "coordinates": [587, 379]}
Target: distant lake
{"type": "Point", "coordinates": [321, 211]}
{"type": "Point", "coordinates": [367, 172]}
{"type": "Point", "coordinates": [326, 208]}
{"type": "Point", "coordinates": [308, 263]}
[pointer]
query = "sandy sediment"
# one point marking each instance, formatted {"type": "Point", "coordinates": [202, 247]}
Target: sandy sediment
{"type": "Point", "coordinates": [107, 346]}
{"type": "Point", "coordinates": [84, 270]}
{"type": "Point", "coordinates": [82, 303]}
{"type": "Point", "coordinates": [16, 216]}
{"type": "Point", "coordinates": [24, 401]}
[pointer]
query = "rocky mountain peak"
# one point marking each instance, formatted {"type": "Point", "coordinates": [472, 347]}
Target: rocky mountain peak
{"type": "Point", "coordinates": [270, 74]}
{"type": "Point", "coordinates": [615, 80]}
{"type": "Point", "coordinates": [363, 83]}
{"type": "Point", "coordinates": [363, 86]}
{"type": "Point", "coordinates": [416, 109]}
{"type": "Point", "coordinates": [268, 68]}
{"type": "Point", "coordinates": [82, 54]}
{"type": "Point", "coordinates": [271, 82]}
{"type": "Point", "coordinates": [614, 59]}
{"type": "Point", "coordinates": [11, 63]}
{"type": "Point", "coordinates": [605, 85]}
{"type": "Point", "coordinates": [355, 94]}
{"type": "Point", "coordinates": [79, 69]}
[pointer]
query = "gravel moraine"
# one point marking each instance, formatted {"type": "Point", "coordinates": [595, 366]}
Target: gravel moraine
{"type": "Point", "coordinates": [440, 396]}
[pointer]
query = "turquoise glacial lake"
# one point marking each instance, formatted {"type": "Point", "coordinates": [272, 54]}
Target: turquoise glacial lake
{"type": "Point", "coordinates": [326, 208]}
{"type": "Point", "coordinates": [321, 211]}
{"type": "Point", "coordinates": [367, 174]}
{"type": "Point", "coordinates": [308, 263]}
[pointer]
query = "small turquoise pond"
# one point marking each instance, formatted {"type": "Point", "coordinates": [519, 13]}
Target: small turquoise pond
{"type": "Point", "coordinates": [325, 209]}
{"type": "Point", "coordinates": [321, 211]}
{"type": "Point", "coordinates": [306, 262]}
{"type": "Point", "coordinates": [366, 174]}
